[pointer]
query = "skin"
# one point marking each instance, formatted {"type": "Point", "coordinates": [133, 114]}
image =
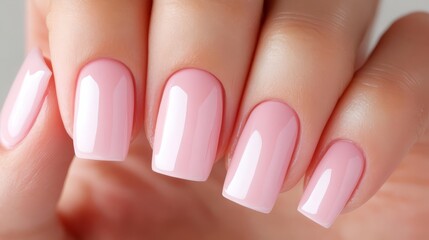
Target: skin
{"type": "Point", "coordinates": [381, 104]}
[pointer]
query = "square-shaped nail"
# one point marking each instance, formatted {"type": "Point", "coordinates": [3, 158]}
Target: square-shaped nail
{"type": "Point", "coordinates": [188, 125]}
{"type": "Point", "coordinates": [332, 183]}
{"type": "Point", "coordinates": [262, 156]}
{"type": "Point", "coordinates": [104, 110]}
{"type": "Point", "coordinates": [24, 100]}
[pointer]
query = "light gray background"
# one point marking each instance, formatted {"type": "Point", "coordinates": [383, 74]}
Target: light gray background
{"type": "Point", "coordinates": [12, 32]}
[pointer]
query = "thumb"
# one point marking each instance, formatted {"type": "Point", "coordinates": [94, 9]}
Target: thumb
{"type": "Point", "coordinates": [35, 156]}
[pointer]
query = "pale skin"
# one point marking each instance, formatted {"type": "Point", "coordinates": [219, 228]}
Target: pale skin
{"type": "Point", "coordinates": [302, 52]}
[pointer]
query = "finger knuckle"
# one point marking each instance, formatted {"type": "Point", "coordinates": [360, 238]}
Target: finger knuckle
{"type": "Point", "coordinates": [327, 30]}
{"type": "Point", "coordinates": [392, 87]}
{"type": "Point", "coordinates": [231, 9]}
{"type": "Point", "coordinates": [396, 85]}
{"type": "Point", "coordinates": [386, 76]}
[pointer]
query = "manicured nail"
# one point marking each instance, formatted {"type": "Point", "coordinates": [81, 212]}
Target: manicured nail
{"type": "Point", "coordinates": [25, 99]}
{"type": "Point", "coordinates": [188, 125]}
{"type": "Point", "coordinates": [104, 110]}
{"type": "Point", "coordinates": [262, 156]}
{"type": "Point", "coordinates": [332, 183]}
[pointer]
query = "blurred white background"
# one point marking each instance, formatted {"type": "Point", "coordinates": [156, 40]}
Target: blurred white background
{"type": "Point", "coordinates": [12, 32]}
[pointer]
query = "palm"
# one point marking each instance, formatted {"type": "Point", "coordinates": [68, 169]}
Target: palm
{"type": "Point", "coordinates": [128, 201]}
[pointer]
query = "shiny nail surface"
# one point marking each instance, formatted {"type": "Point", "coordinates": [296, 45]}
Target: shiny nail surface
{"type": "Point", "coordinates": [104, 110]}
{"type": "Point", "coordinates": [262, 156]}
{"type": "Point", "coordinates": [332, 183]}
{"type": "Point", "coordinates": [188, 125]}
{"type": "Point", "coordinates": [24, 100]}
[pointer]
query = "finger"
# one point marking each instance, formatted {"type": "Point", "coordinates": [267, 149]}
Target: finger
{"type": "Point", "coordinates": [33, 171]}
{"type": "Point", "coordinates": [381, 115]}
{"type": "Point", "coordinates": [199, 56]}
{"type": "Point", "coordinates": [36, 30]}
{"type": "Point", "coordinates": [304, 60]}
{"type": "Point", "coordinates": [99, 57]}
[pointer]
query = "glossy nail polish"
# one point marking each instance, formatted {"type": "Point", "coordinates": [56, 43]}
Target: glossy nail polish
{"type": "Point", "coordinates": [104, 110]}
{"type": "Point", "coordinates": [262, 156]}
{"type": "Point", "coordinates": [188, 125]}
{"type": "Point", "coordinates": [332, 183]}
{"type": "Point", "coordinates": [25, 99]}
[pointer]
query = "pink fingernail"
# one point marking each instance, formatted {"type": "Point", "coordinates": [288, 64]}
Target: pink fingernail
{"type": "Point", "coordinates": [104, 110]}
{"type": "Point", "coordinates": [261, 157]}
{"type": "Point", "coordinates": [188, 125]}
{"type": "Point", "coordinates": [332, 183]}
{"type": "Point", "coordinates": [25, 99]}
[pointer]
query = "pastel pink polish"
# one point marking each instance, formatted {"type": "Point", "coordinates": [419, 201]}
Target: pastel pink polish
{"type": "Point", "coordinates": [262, 156]}
{"type": "Point", "coordinates": [332, 183]}
{"type": "Point", "coordinates": [25, 99]}
{"type": "Point", "coordinates": [188, 125]}
{"type": "Point", "coordinates": [104, 110]}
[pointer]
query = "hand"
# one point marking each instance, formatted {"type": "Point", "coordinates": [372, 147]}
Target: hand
{"type": "Point", "coordinates": [280, 89]}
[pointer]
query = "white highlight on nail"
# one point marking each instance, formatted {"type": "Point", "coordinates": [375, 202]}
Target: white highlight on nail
{"type": "Point", "coordinates": [240, 183]}
{"type": "Point", "coordinates": [26, 96]}
{"type": "Point", "coordinates": [313, 203]}
{"type": "Point", "coordinates": [173, 130]}
{"type": "Point", "coordinates": [87, 115]}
